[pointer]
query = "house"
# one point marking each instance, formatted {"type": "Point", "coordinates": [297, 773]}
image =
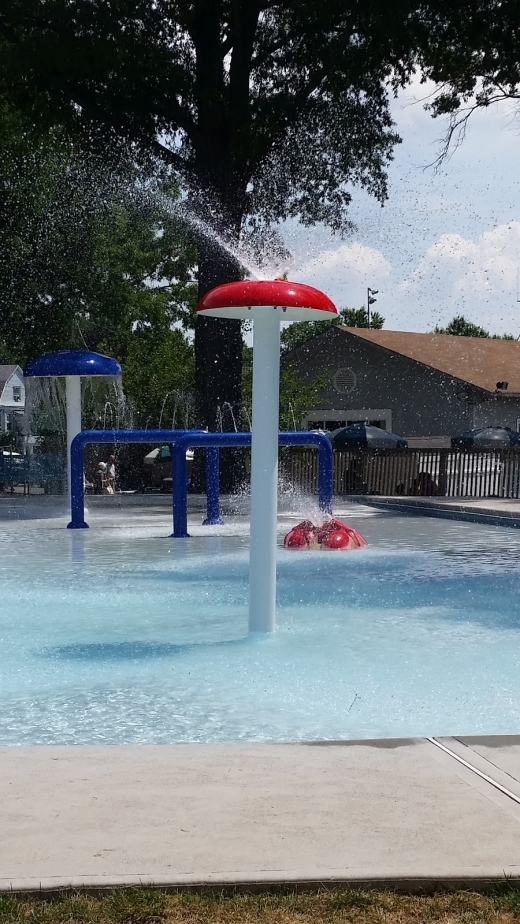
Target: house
{"type": "Point", "coordinates": [12, 398]}
{"type": "Point", "coordinates": [418, 385]}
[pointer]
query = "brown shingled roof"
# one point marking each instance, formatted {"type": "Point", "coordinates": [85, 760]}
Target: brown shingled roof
{"type": "Point", "coordinates": [480, 361]}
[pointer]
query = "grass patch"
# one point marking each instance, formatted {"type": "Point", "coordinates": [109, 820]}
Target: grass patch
{"type": "Point", "coordinates": [335, 906]}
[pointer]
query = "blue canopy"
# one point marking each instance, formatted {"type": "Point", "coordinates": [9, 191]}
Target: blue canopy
{"type": "Point", "coordinates": [72, 362]}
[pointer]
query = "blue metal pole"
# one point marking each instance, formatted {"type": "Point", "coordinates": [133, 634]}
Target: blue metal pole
{"type": "Point", "coordinates": [77, 488]}
{"type": "Point", "coordinates": [199, 439]}
{"type": "Point", "coordinates": [325, 461]}
{"type": "Point", "coordinates": [325, 473]}
{"type": "Point", "coordinates": [213, 517]}
{"type": "Point", "coordinates": [180, 490]}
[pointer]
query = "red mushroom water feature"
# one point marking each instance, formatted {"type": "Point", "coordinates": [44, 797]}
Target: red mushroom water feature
{"type": "Point", "coordinates": [267, 303]}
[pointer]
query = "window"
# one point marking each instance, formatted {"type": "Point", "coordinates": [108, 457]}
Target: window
{"type": "Point", "coordinates": [334, 418]}
{"type": "Point", "coordinates": [325, 424]}
{"type": "Point", "coordinates": [371, 423]}
{"type": "Point", "coordinates": [345, 381]}
{"type": "Point", "coordinates": [17, 392]}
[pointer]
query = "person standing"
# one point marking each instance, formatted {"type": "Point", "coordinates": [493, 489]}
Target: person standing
{"type": "Point", "coordinates": [111, 475]}
{"type": "Point", "coordinates": [102, 474]}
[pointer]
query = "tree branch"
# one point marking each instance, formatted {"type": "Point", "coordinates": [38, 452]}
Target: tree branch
{"type": "Point", "coordinates": [458, 124]}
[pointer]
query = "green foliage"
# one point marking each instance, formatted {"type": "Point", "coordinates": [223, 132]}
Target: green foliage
{"type": "Point", "coordinates": [459, 326]}
{"type": "Point", "coordinates": [81, 269]}
{"type": "Point", "coordinates": [276, 108]}
{"type": "Point", "coordinates": [267, 110]}
{"type": "Point", "coordinates": [158, 376]}
{"type": "Point", "coordinates": [499, 905]}
{"type": "Point", "coordinates": [358, 317]}
{"type": "Point", "coordinates": [476, 61]}
{"type": "Point", "coordinates": [296, 334]}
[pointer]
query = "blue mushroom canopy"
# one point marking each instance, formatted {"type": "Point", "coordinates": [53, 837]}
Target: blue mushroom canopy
{"type": "Point", "coordinates": [72, 362]}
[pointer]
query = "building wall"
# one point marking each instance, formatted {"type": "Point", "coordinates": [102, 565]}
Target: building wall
{"type": "Point", "coordinates": [13, 394]}
{"type": "Point", "coordinates": [498, 412]}
{"type": "Point", "coordinates": [422, 401]}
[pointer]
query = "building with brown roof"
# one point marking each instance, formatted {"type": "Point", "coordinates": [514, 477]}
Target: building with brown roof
{"type": "Point", "coordinates": [418, 385]}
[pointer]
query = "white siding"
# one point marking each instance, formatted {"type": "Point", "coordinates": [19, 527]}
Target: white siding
{"type": "Point", "coordinates": [13, 394]}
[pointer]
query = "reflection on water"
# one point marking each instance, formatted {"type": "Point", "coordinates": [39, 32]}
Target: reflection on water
{"type": "Point", "coordinates": [134, 651]}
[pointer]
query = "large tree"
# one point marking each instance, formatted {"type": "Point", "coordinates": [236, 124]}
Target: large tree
{"type": "Point", "coordinates": [473, 56]}
{"type": "Point", "coordinates": [459, 326]}
{"type": "Point", "coordinates": [267, 109]}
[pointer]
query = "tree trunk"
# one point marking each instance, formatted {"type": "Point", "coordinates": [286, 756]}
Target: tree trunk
{"type": "Point", "coordinates": [218, 368]}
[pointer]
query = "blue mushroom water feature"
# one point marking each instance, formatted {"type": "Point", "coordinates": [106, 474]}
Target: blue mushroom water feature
{"type": "Point", "coordinates": [72, 365]}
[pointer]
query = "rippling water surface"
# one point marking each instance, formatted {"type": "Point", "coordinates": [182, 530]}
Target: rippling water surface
{"type": "Point", "coordinates": [120, 634]}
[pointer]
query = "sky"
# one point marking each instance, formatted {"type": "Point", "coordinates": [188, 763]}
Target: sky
{"type": "Point", "coordinates": [447, 242]}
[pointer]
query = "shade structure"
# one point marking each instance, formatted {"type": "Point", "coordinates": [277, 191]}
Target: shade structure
{"type": "Point", "coordinates": [72, 365]}
{"type": "Point", "coordinates": [72, 362]}
{"type": "Point", "coordinates": [250, 299]}
{"type": "Point", "coordinates": [267, 303]}
{"type": "Point", "coordinates": [487, 438]}
{"type": "Point", "coordinates": [364, 436]}
{"type": "Point", "coordinates": [160, 454]}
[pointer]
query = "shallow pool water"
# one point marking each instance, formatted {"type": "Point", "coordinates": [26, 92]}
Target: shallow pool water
{"type": "Point", "coordinates": [121, 634]}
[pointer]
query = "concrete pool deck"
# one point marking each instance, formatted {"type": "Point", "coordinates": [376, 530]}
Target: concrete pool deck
{"type": "Point", "coordinates": [401, 813]}
{"type": "Point", "coordinates": [493, 511]}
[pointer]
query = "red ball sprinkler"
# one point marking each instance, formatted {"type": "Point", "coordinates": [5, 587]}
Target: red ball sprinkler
{"type": "Point", "coordinates": [333, 535]}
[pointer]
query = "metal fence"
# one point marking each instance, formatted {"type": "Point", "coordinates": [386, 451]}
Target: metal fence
{"type": "Point", "coordinates": [426, 472]}
{"type": "Point", "coordinates": [47, 471]}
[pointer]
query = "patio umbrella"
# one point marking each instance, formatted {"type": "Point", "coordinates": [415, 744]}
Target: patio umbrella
{"type": "Point", "coordinates": [151, 457]}
{"type": "Point", "coordinates": [487, 438]}
{"type": "Point", "coordinates": [364, 436]}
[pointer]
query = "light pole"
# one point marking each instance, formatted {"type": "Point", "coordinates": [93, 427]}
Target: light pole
{"type": "Point", "coordinates": [370, 301]}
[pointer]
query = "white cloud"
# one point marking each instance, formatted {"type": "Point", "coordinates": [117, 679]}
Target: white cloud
{"type": "Point", "coordinates": [456, 274]}
{"type": "Point", "coordinates": [345, 272]}
{"type": "Point", "coordinates": [477, 277]}
{"type": "Point", "coordinates": [445, 243]}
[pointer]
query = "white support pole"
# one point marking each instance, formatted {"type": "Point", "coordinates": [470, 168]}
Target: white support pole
{"type": "Point", "coordinates": [264, 470]}
{"type": "Point", "coordinates": [73, 399]}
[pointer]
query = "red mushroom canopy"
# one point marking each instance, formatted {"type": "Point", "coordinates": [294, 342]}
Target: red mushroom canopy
{"type": "Point", "coordinates": [248, 298]}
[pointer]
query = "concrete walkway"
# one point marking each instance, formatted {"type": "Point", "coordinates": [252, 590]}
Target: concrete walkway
{"type": "Point", "coordinates": [495, 511]}
{"type": "Point", "coordinates": [400, 812]}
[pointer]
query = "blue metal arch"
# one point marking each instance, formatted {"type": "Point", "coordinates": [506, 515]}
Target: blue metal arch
{"type": "Point", "coordinates": [77, 493]}
{"type": "Point", "coordinates": [183, 440]}
{"type": "Point", "coordinates": [194, 440]}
